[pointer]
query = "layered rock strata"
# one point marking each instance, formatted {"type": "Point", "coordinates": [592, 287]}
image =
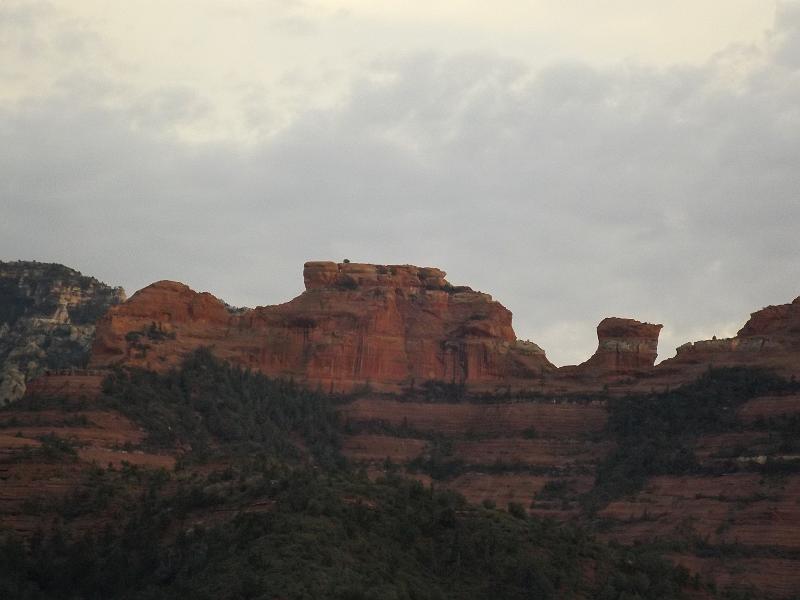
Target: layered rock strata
{"type": "Point", "coordinates": [394, 326]}
{"type": "Point", "coordinates": [624, 346]}
{"type": "Point", "coordinates": [388, 326]}
{"type": "Point", "coordinates": [770, 339]}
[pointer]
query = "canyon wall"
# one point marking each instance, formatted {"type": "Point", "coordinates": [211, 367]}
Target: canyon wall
{"type": "Point", "coordinates": [389, 327]}
{"type": "Point", "coordinates": [393, 327]}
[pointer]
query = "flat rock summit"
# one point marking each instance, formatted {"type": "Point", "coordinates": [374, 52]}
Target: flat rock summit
{"type": "Point", "coordinates": [355, 324]}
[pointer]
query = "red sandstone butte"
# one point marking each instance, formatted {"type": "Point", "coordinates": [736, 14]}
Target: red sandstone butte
{"type": "Point", "coordinates": [384, 325]}
{"type": "Point", "coordinates": [624, 345]}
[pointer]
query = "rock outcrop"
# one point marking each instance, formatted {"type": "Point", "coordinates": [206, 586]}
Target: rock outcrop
{"type": "Point", "coordinates": [769, 339]}
{"type": "Point", "coordinates": [388, 326]}
{"type": "Point", "coordinates": [394, 326]}
{"type": "Point", "coordinates": [624, 346]}
{"type": "Point", "coordinates": [47, 321]}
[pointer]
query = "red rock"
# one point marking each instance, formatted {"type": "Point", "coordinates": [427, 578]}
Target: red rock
{"type": "Point", "coordinates": [393, 325]}
{"type": "Point", "coordinates": [388, 326]}
{"type": "Point", "coordinates": [770, 339]}
{"type": "Point", "coordinates": [624, 345]}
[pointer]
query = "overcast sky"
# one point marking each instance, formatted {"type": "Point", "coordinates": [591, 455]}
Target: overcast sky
{"type": "Point", "coordinates": [576, 159]}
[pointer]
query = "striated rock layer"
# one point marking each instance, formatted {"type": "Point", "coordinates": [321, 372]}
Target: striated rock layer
{"type": "Point", "coordinates": [387, 326]}
{"type": "Point", "coordinates": [399, 325]}
{"type": "Point", "coordinates": [770, 339]}
{"type": "Point", "coordinates": [624, 346]}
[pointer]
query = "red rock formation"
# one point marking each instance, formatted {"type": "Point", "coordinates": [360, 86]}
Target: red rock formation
{"type": "Point", "coordinates": [624, 345]}
{"type": "Point", "coordinates": [778, 325]}
{"type": "Point", "coordinates": [769, 339]}
{"type": "Point", "coordinates": [391, 326]}
{"type": "Point", "coordinates": [388, 326]}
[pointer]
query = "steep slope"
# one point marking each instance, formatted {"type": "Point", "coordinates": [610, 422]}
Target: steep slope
{"type": "Point", "coordinates": [260, 506]}
{"type": "Point", "coordinates": [448, 396]}
{"type": "Point", "coordinates": [47, 321]}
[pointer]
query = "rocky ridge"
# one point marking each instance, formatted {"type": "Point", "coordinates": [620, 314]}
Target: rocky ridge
{"type": "Point", "coordinates": [540, 439]}
{"type": "Point", "coordinates": [47, 321]}
{"type": "Point", "coordinates": [393, 327]}
{"type": "Point", "coordinates": [385, 326]}
{"type": "Point", "coordinates": [769, 339]}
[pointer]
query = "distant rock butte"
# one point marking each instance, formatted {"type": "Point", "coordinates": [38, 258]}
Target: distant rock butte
{"type": "Point", "coordinates": [624, 345]}
{"type": "Point", "coordinates": [384, 325]}
{"type": "Point", "coordinates": [393, 326]}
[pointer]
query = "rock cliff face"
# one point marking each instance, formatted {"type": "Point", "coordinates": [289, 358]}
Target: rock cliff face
{"type": "Point", "coordinates": [47, 316]}
{"type": "Point", "coordinates": [770, 339]}
{"type": "Point", "coordinates": [624, 346]}
{"type": "Point", "coordinates": [393, 326]}
{"type": "Point", "coordinates": [389, 326]}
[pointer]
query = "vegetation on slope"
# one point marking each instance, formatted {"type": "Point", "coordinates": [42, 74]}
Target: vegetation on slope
{"type": "Point", "coordinates": [212, 408]}
{"type": "Point", "coordinates": [655, 434]}
{"type": "Point", "coordinates": [249, 515]}
{"type": "Point", "coordinates": [326, 536]}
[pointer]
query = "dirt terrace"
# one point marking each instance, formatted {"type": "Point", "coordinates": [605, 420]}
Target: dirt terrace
{"type": "Point", "coordinates": [742, 508]}
{"type": "Point", "coordinates": [769, 406]}
{"type": "Point", "coordinates": [80, 384]}
{"type": "Point", "coordinates": [779, 577]}
{"type": "Point", "coordinates": [555, 453]}
{"type": "Point", "coordinates": [570, 419]}
{"type": "Point", "coordinates": [31, 480]}
{"type": "Point", "coordinates": [372, 448]}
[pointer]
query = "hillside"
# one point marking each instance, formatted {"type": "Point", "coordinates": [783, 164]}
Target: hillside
{"type": "Point", "coordinates": [693, 461]}
{"type": "Point", "coordinates": [260, 504]}
{"type": "Point", "coordinates": [47, 321]}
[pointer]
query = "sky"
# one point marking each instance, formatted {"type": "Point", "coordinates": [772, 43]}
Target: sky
{"type": "Point", "coordinates": [576, 159]}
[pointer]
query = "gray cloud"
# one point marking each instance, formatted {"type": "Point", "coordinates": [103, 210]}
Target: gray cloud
{"type": "Point", "coordinates": [570, 194]}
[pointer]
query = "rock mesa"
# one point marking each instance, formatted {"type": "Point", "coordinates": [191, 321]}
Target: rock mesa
{"type": "Point", "coordinates": [624, 345]}
{"type": "Point", "coordinates": [389, 326]}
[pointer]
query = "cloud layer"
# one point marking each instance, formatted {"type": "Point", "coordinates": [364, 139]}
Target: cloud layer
{"type": "Point", "coordinates": [570, 192]}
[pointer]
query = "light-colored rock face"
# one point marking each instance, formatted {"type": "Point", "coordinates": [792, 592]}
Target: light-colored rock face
{"type": "Point", "coordinates": [47, 316]}
{"type": "Point", "coordinates": [386, 326]}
